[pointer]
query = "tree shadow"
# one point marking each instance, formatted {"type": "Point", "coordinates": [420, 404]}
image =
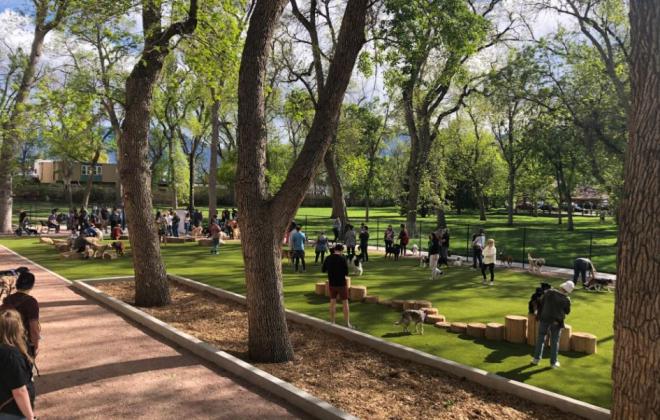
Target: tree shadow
{"type": "Point", "coordinates": [523, 373]}
{"type": "Point", "coordinates": [396, 334]}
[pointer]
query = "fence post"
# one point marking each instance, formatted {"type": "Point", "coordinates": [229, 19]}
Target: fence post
{"type": "Point", "coordinates": [377, 229]}
{"type": "Point", "coordinates": [524, 246]}
{"type": "Point", "coordinates": [420, 235]}
{"type": "Point", "coordinates": [591, 242]}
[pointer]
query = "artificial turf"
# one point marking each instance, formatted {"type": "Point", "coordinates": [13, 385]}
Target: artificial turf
{"type": "Point", "coordinates": [458, 295]}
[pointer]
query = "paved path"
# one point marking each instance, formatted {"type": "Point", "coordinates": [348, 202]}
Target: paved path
{"type": "Point", "coordinates": [94, 364]}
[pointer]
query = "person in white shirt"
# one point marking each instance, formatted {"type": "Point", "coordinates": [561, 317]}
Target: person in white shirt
{"type": "Point", "coordinates": [489, 254]}
{"type": "Point", "coordinates": [168, 221]}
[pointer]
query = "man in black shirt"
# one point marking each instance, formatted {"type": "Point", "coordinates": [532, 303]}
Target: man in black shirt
{"type": "Point", "coordinates": [338, 282]}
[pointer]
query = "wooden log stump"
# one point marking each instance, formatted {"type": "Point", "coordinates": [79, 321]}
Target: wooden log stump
{"type": "Point", "coordinates": [397, 304]}
{"type": "Point", "coordinates": [357, 293]}
{"type": "Point", "coordinates": [385, 302]}
{"type": "Point", "coordinates": [565, 338]}
{"type": "Point", "coordinates": [60, 241]}
{"type": "Point", "coordinates": [62, 247]}
{"type": "Point", "coordinates": [371, 299]}
{"type": "Point", "coordinates": [109, 256]}
{"type": "Point", "coordinates": [476, 329]}
{"type": "Point", "coordinates": [71, 255]}
{"type": "Point", "coordinates": [420, 304]}
{"type": "Point", "coordinates": [430, 311]}
{"type": "Point", "coordinates": [205, 242]}
{"type": "Point", "coordinates": [583, 342]}
{"type": "Point", "coordinates": [434, 319]}
{"type": "Point", "coordinates": [45, 240]}
{"type": "Point", "coordinates": [458, 327]}
{"type": "Point", "coordinates": [190, 239]}
{"type": "Point", "coordinates": [532, 329]}
{"type": "Point", "coordinates": [175, 240]}
{"type": "Point", "coordinates": [327, 289]}
{"type": "Point", "coordinates": [495, 331]}
{"type": "Point", "coordinates": [319, 289]}
{"type": "Point", "coordinates": [443, 325]}
{"type": "Point", "coordinates": [409, 304]}
{"type": "Point", "coordinates": [515, 328]}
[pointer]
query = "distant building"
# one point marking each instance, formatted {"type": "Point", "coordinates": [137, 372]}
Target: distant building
{"type": "Point", "coordinates": [49, 172]}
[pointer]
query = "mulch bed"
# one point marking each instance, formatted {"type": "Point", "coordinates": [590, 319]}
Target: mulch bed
{"type": "Point", "coordinates": [352, 377]}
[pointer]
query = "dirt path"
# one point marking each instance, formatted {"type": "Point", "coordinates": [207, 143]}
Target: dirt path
{"type": "Point", "coordinates": [94, 364]}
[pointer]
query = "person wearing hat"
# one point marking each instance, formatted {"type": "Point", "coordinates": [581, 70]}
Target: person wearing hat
{"type": "Point", "coordinates": [28, 307]}
{"type": "Point", "coordinates": [554, 305]}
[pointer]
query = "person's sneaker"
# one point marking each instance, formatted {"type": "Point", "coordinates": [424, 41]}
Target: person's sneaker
{"type": "Point", "coordinates": [535, 361]}
{"type": "Point", "coordinates": [555, 365]}
{"type": "Point", "coordinates": [483, 281]}
{"type": "Point", "coordinates": [492, 283]}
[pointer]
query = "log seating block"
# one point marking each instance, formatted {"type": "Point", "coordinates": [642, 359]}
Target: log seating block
{"type": "Point", "coordinates": [458, 327]}
{"type": "Point", "coordinates": [409, 304]}
{"type": "Point", "coordinates": [476, 329]}
{"type": "Point", "coordinates": [495, 331]}
{"type": "Point", "coordinates": [190, 239]}
{"type": "Point", "coordinates": [434, 319]}
{"type": "Point", "coordinates": [515, 328]}
{"type": "Point", "coordinates": [71, 255]}
{"type": "Point", "coordinates": [443, 325]}
{"type": "Point", "coordinates": [357, 293]}
{"type": "Point", "coordinates": [44, 240]}
{"type": "Point", "coordinates": [583, 342]}
{"type": "Point", "coordinates": [109, 256]}
{"type": "Point", "coordinates": [62, 247]}
{"type": "Point", "coordinates": [205, 242]}
{"type": "Point", "coordinates": [421, 304]}
{"type": "Point", "coordinates": [532, 329]}
{"type": "Point", "coordinates": [385, 302]}
{"type": "Point", "coordinates": [430, 311]}
{"type": "Point", "coordinates": [565, 338]}
{"type": "Point", "coordinates": [327, 289]}
{"type": "Point", "coordinates": [319, 289]}
{"type": "Point", "coordinates": [371, 299]}
{"type": "Point", "coordinates": [175, 240]}
{"type": "Point", "coordinates": [397, 304]}
{"type": "Point", "coordinates": [60, 241]}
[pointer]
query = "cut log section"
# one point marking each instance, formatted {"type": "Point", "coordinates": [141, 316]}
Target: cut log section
{"type": "Point", "coordinates": [434, 319]}
{"type": "Point", "coordinates": [476, 329]}
{"type": "Point", "coordinates": [420, 304]}
{"type": "Point", "coordinates": [458, 327]}
{"type": "Point", "coordinates": [532, 329]}
{"type": "Point", "coordinates": [71, 255]}
{"type": "Point", "coordinates": [409, 304]}
{"type": "Point", "coordinates": [205, 242]}
{"type": "Point", "coordinates": [357, 293]}
{"type": "Point", "coordinates": [443, 325]}
{"type": "Point", "coordinates": [430, 311]}
{"type": "Point", "coordinates": [175, 240]}
{"type": "Point", "coordinates": [385, 302]}
{"type": "Point", "coordinates": [371, 299]}
{"type": "Point", "coordinates": [515, 328]}
{"type": "Point", "coordinates": [583, 342]}
{"type": "Point", "coordinates": [190, 239]}
{"type": "Point", "coordinates": [327, 289]}
{"type": "Point", "coordinates": [319, 289]}
{"type": "Point", "coordinates": [109, 256]}
{"type": "Point", "coordinates": [495, 331]}
{"type": "Point", "coordinates": [397, 304]}
{"type": "Point", "coordinates": [62, 247]}
{"type": "Point", "coordinates": [565, 338]}
{"type": "Point", "coordinates": [44, 240]}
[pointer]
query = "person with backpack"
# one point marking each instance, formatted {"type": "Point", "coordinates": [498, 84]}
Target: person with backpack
{"type": "Point", "coordinates": [321, 247]}
{"type": "Point", "coordinates": [28, 307]}
{"type": "Point", "coordinates": [17, 391]}
{"type": "Point", "coordinates": [404, 238]}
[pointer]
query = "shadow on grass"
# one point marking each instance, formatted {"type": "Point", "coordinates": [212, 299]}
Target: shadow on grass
{"type": "Point", "coordinates": [396, 334]}
{"type": "Point", "coordinates": [523, 373]}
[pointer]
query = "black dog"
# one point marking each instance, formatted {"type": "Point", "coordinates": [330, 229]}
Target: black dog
{"type": "Point", "coordinates": [394, 250]}
{"type": "Point", "coordinates": [533, 305]}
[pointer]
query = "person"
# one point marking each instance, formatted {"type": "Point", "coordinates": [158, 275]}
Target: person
{"type": "Point", "coordinates": [17, 391]}
{"type": "Point", "coordinates": [116, 233]}
{"type": "Point", "coordinates": [336, 228]}
{"type": "Point", "coordinates": [214, 231]}
{"type": "Point", "coordinates": [186, 222]}
{"type": "Point", "coordinates": [175, 223]}
{"type": "Point", "coordinates": [489, 255]}
{"type": "Point", "coordinates": [554, 306]}
{"type": "Point", "coordinates": [28, 307]}
{"type": "Point", "coordinates": [52, 221]}
{"type": "Point", "coordinates": [22, 217]}
{"type": "Point", "coordinates": [403, 239]}
{"type": "Point", "coordinates": [580, 268]}
{"type": "Point", "coordinates": [364, 242]}
{"type": "Point", "coordinates": [234, 214]}
{"type": "Point", "coordinates": [289, 233]}
{"type": "Point", "coordinates": [298, 240]}
{"type": "Point", "coordinates": [321, 247]}
{"type": "Point", "coordinates": [434, 251]}
{"type": "Point", "coordinates": [161, 227]}
{"type": "Point", "coordinates": [478, 242]}
{"type": "Point", "coordinates": [168, 223]}
{"type": "Point", "coordinates": [389, 237]}
{"type": "Point", "coordinates": [72, 221]}
{"type": "Point", "coordinates": [338, 282]}
{"type": "Point", "coordinates": [444, 248]}
{"type": "Point", "coordinates": [349, 239]}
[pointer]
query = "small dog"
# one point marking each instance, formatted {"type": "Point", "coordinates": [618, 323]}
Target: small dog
{"type": "Point", "coordinates": [415, 316]}
{"type": "Point", "coordinates": [424, 261]}
{"type": "Point", "coordinates": [535, 264]}
{"type": "Point", "coordinates": [436, 273]}
{"type": "Point", "coordinates": [457, 262]}
{"type": "Point", "coordinates": [394, 251]}
{"type": "Point", "coordinates": [118, 246]}
{"type": "Point", "coordinates": [506, 260]}
{"type": "Point", "coordinates": [357, 265]}
{"type": "Point", "coordinates": [415, 249]}
{"type": "Point", "coordinates": [600, 285]}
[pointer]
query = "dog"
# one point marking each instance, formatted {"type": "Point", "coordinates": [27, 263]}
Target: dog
{"type": "Point", "coordinates": [394, 251]}
{"type": "Point", "coordinates": [436, 273]}
{"type": "Point", "coordinates": [600, 285]}
{"type": "Point", "coordinates": [196, 232]}
{"type": "Point", "coordinates": [424, 261]}
{"type": "Point", "coordinates": [357, 265]}
{"type": "Point", "coordinates": [506, 260]}
{"type": "Point", "coordinates": [535, 264]}
{"type": "Point", "coordinates": [415, 249]}
{"type": "Point", "coordinates": [410, 316]}
{"type": "Point", "coordinates": [118, 246]}
{"type": "Point", "coordinates": [457, 262]}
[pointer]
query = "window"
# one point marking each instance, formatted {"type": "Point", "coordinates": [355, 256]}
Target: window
{"type": "Point", "coordinates": [97, 170]}
{"type": "Point", "coordinates": [87, 170]}
{"type": "Point", "coordinates": [84, 170]}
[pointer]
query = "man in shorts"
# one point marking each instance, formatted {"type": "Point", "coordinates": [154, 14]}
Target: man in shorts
{"type": "Point", "coordinates": [338, 281]}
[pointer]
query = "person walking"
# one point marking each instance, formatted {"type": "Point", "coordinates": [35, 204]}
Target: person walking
{"type": "Point", "coordinates": [404, 238]}
{"type": "Point", "coordinates": [478, 243]}
{"type": "Point", "coordinates": [580, 268]}
{"type": "Point", "coordinates": [338, 282]}
{"type": "Point", "coordinates": [214, 231]}
{"type": "Point", "coordinates": [298, 240]}
{"type": "Point", "coordinates": [444, 248]}
{"type": "Point", "coordinates": [350, 240]}
{"type": "Point", "coordinates": [27, 306]}
{"type": "Point", "coordinates": [16, 386]}
{"type": "Point", "coordinates": [364, 243]}
{"type": "Point", "coordinates": [388, 237]}
{"type": "Point", "coordinates": [434, 251]}
{"type": "Point", "coordinates": [176, 220]}
{"type": "Point", "coordinates": [321, 247]}
{"type": "Point", "coordinates": [489, 255]}
{"type": "Point", "coordinates": [554, 306]}
{"type": "Point", "coordinates": [336, 229]}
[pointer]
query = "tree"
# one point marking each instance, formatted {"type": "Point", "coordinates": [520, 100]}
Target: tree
{"type": "Point", "coordinates": [48, 15]}
{"type": "Point", "coordinates": [264, 217]}
{"type": "Point", "coordinates": [636, 356]}
{"type": "Point", "coordinates": [151, 287]}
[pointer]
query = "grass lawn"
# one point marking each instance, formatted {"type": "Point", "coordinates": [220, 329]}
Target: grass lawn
{"type": "Point", "coordinates": [458, 295]}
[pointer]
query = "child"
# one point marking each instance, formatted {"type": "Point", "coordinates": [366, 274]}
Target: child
{"type": "Point", "coordinates": [489, 255]}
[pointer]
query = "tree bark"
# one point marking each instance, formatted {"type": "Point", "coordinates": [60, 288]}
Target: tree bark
{"type": "Point", "coordinates": [191, 178]}
{"type": "Point", "coordinates": [213, 164]}
{"type": "Point", "coordinates": [482, 205]}
{"type": "Point", "coordinates": [90, 179]}
{"type": "Point", "coordinates": [264, 218]}
{"type": "Point", "coordinates": [511, 196]}
{"type": "Point", "coordinates": [175, 191]}
{"type": "Point", "coordinates": [337, 190]}
{"type": "Point", "coordinates": [441, 216]}
{"type": "Point", "coordinates": [636, 366]}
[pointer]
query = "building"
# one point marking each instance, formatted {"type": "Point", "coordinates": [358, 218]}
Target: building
{"type": "Point", "coordinates": [49, 172]}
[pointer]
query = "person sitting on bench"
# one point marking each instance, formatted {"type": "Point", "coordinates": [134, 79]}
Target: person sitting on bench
{"type": "Point", "coordinates": [52, 221]}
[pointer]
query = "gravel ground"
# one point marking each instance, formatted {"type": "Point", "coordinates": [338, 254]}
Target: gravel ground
{"type": "Point", "coordinates": [354, 378]}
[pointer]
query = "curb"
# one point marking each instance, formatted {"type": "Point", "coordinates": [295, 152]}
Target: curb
{"type": "Point", "coordinates": [295, 396]}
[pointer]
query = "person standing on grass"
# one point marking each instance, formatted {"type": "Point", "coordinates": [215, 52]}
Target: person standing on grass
{"type": "Point", "coordinates": [349, 239]}
{"type": "Point", "coordinates": [214, 232]}
{"type": "Point", "coordinates": [338, 282]}
{"type": "Point", "coordinates": [389, 237]}
{"type": "Point", "coordinates": [489, 255]}
{"type": "Point", "coordinates": [336, 229]}
{"type": "Point", "coordinates": [364, 242]}
{"type": "Point", "coordinates": [434, 251]}
{"type": "Point", "coordinates": [404, 238]}
{"type": "Point", "coordinates": [444, 248]}
{"type": "Point", "coordinates": [16, 386]}
{"type": "Point", "coordinates": [478, 243]}
{"type": "Point", "coordinates": [175, 223]}
{"type": "Point", "coordinates": [298, 240]}
{"type": "Point", "coordinates": [580, 268]}
{"type": "Point", "coordinates": [28, 307]}
{"type": "Point", "coordinates": [321, 247]}
{"type": "Point", "coordinates": [553, 306]}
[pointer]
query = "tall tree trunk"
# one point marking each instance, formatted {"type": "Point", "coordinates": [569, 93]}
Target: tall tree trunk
{"type": "Point", "coordinates": [174, 189]}
{"type": "Point", "coordinates": [338, 200]}
{"type": "Point", "coordinates": [191, 179]}
{"type": "Point", "coordinates": [636, 366]}
{"type": "Point", "coordinates": [569, 214]}
{"type": "Point", "coordinates": [90, 179]}
{"type": "Point", "coordinates": [511, 196]}
{"type": "Point", "coordinates": [441, 217]}
{"type": "Point", "coordinates": [482, 204]}
{"type": "Point", "coordinates": [213, 165]}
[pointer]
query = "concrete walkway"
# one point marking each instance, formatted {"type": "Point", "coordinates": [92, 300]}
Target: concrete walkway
{"type": "Point", "coordinates": [94, 364]}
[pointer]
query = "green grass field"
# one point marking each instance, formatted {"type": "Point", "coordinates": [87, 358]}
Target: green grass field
{"type": "Point", "coordinates": [458, 295]}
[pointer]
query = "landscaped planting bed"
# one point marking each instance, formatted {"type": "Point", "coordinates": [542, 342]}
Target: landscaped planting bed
{"type": "Point", "coordinates": [351, 377]}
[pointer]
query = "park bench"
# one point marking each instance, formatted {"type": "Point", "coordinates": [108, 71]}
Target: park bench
{"type": "Point", "coordinates": [44, 228]}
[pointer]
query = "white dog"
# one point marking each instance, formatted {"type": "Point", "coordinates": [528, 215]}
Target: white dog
{"type": "Point", "coordinates": [415, 249]}
{"type": "Point", "coordinates": [535, 264]}
{"type": "Point", "coordinates": [436, 273]}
